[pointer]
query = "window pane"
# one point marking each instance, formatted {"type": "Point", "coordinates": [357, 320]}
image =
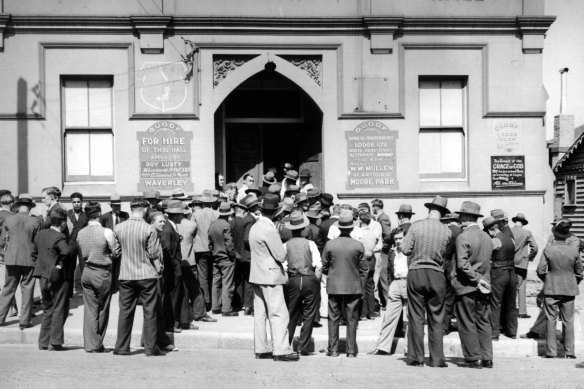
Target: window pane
{"type": "Point", "coordinates": [100, 103]}
{"type": "Point", "coordinates": [101, 156]}
{"type": "Point", "coordinates": [429, 152]}
{"type": "Point", "coordinates": [76, 110]}
{"type": "Point", "coordinates": [451, 145]}
{"type": "Point", "coordinates": [429, 103]}
{"type": "Point", "coordinates": [77, 153]}
{"type": "Point", "coordinates": [451, 103]}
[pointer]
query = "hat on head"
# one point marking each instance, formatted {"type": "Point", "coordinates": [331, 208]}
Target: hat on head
{"type": "Point", "coordinates": [174, 206]}
{"type": "Point", "coordinates": [291, 175]}
{"type": "Point", "coordinates": [269, 178]}
{"type": "Point", "coordinates": [300, 197]}
{"type": "Point", "coordinates": [275, 188]}
{"type": "Point", "coordinates": [345, 220]}
{"type": "Point", "coordinates": [561, 230]}
{"type": "Point", "coordinates": [439, 203]}
{"type": "Point", "coordinates": [313, 214]}
{"type": "Point", "coordinates": [179, 194]}
{"type": "Point", "coordinates": [247, 202]}
{"type": "Point", "coordinates": [215, 193]}
{"type": "Point", "coordinates": [270, 202]}
{"type": "Point", "coordinates": [296, 221]}
{"type": "Point", "coordinates": [449, 217]}
{"type": "Point", "coordinates": [163, 205]}
{"type": "Point", "coordinates": [207, 198]}
{"type": "Point", "coordinates": [115, 199]}
{"type": "Point", "coordinates": [136, 202]}
{"type": "Point", "coordinates": [196, 200]}
{"type": "Point", "coordinates": [253, 189]}
{"type": "Point", "coordinates": [488, 222]}
{"type": "Point", "coordinates": [499, 214]}
{"type": "Point", "coordinates": [327, 200]}
{"type": "Point", "coordinates": [305, 173]}
{"type": "Point", "coordinates": [151, 195]}
{"type": "Point", "coordinates": [222, 198]}
{"type": "Point", "coordinates": [470, 208]}
{"type": "Point", "coordinates": [225, 209]}
{"type": "Point", "coordinates": [520, 218]}
{"type": "Point", "coordinates": [292, 190]}
{"type": "Point", "coordinates": [405, 209]}
{"type": "Point", "coordinates": [25, 199]}
{"type": "Point", "coordinates": [314, 193]}
{"type": "Point", "coordinates": [187, 210]}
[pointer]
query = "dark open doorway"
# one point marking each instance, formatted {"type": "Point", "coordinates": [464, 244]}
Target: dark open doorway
{"type": "Point", "coordinates": [266, 121]}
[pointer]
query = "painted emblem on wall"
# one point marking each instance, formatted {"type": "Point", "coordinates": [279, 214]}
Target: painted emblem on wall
{"type": "Point", "coordinates": [162, 85]}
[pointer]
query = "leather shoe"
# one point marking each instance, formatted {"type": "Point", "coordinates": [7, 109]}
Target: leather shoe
{"type": "Point", "coordinates": [208, 319]}
{"type": "Point", "coordinates": [378, 352]}
{"type": "Point", "coordinates": [529, 335]}
{"type": "Point", "coordinates": [473, 365]}
{"type": "Point", "coordinates": [170, 348]}
{"type": "Point", "coordinates": [216, 311]}
{"type": "Point", "coordinates": [351, 355]}
{"type": "Point", "coordinates": [304, 353]}
{"type": "Point", "coordinates": [333, 354]}
{"type": "Point", "coordinates": [286, 358]}
{"type": "Point", "coordinates": [570, 356]}
{"type": "Point", "coordinates": [98, 350]}
{"type": "Point", "coordinates": [511, 336]}
{"type": "Point", "coordinates": [230, 314]}
{"type": "Point", "coordinates": [316, 324]}
{"type": "Point", "coordinates": [23, 326]}
{"type": "Point", "coordinates": [156, 353]}
{"type": "Point", "coordinates": [549, 356]}
{"type": "Point", "coordinates": [43, 348]}
{"type": "Point", "coordinates": [263, 356]}
{"type": "Point", "coordinates": [442, 364]}
{"type": "Point", "coordinates": [121, 352]}
{"type": "Point", "coordinates": [57, 347]}
{"type": "Point", "coordinates": [416, 363]}
{"type": "Point", "coordinates": [495, 338]}
{"type": "Point", "coordinates": [248, 312]}
{"type": "Point", "coordinates": [488, 364]}
{"type": "Point", "coordinates": [189, 326]}
{"type": "Point", "coordinates": [524, 316]}
{"type": "Point", "coordinates": [176, 330]}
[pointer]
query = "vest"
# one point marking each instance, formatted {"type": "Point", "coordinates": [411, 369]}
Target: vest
{"type": "Point", "coordinates": [505, 256]}
{"type": "Point", "coordinates": [299, 257]}
{"type": "Point", "coordinates": [94, 246]}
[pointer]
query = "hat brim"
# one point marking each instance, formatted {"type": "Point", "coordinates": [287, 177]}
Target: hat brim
{"type": "Point", "coordinates": [292, 227]}
{"type": "Point", "coordinates": [269, 182]}
{"type": "Point", "coordinates": [520, 219]}
{"type": "Point", "coordinates": [345, 227]}
{"type": "Point", "coordinates": [174, 210]}
{"type": "Point", "coordinates": [256, 191]}
{"type": "Point", "coordinates": [468, 213]}
{"type": "Point", "coordinates": [208, 200]}
{"type": "Point", "coordinates": [405, 213]}
{"type": "Point", "coordinates": [29, 204]}
{"type": "Point", "coordinates": [230, 212]}
{"type": "Point", "coordinates": [559, 235]}
{"type": "Point", "coordinates": [314, 217]}
{"type": "Point", "coordinates": [182, 198]}
{"type": "Point", "coordinates": [437, 207]}
{"type": "Point", "coordinates": [261, 205]}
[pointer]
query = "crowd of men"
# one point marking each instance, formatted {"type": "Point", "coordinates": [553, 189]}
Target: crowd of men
{"type": "Point", "coordinates": [284, 253]}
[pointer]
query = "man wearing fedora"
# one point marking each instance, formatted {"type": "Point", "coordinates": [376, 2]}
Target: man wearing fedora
{"type": "Point", "coordinates": [249, 206]}
{"type": "Point", "coordinates": [203, 218]}
{"type": "Point", "coordinates": [453, 224]}
{"type": "Point", "coordinates": [268, 278]}
{"type": "Point", "coordinates": [223, 256]}
{"type": "Point", "coordinates": [525, 251]}
{"type": "Point", "coordinates": [470, 277]}
{"type": "Point", "coordinates": [343, 261]}
{"type": "Point", "coordinates": [426, 243]}
{"type": "Point", "coordinates": [560, 268]}
{"type": "Point", "coordinates": [404, 221]}
{"type": "Point", "coordinates": [305, 184]}
{"type": "Point", "coordinates": [303, 288]}
{"type": "Point", "coordinates": [381, 283]}
{"type": "Point", "coordinates": [503, 277]}
{"type": "Point", "coordinates": [20, 231]}
{"type": "Point", "coordinates": [115, 216]}
{"type": "Point", "coordinates": [290, 179]}
{"type": "Point", "coordinates": [268, 180]}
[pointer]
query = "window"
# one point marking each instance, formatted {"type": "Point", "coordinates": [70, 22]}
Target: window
{"type": "Point", "coordinates": [570, 196]}
{"type": "Point", "coordinates": [88, 130]}
{"type": "Point", "coordinates": [442, 144]}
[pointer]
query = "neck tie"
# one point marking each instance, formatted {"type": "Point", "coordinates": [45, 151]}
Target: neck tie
{"type": "Point", "coordinates": [116, 219]}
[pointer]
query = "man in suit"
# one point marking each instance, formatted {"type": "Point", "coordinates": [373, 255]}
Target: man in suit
{"type": "Point", "coordinates": [343, 261]}
{"type": "Point", "coordinates": [380, 278]}
{"type": "Point", "coordinates": [6, 204]}
{"type": "Point", "coordinates": [115, 216]}
{"type": "Point", "coordinates": [561, 270]}
{"type": "Point", "coordinates": [525, 251]}
{"type": "Point", "coordinates": [249, 206]}
{"type": "Point", "coordinates": [470, 277]}
{"type": "Point", "coordinates": [77, 220]}
{"type": "Point", "coordinates": [267, 277]}
{"type": "Point", "coordinates": [52, 262]}
{"type": "Point", "coordinates": [20, 232]}
{"type": "Point", "coordinates": [450, 220]}
{"type": "Point", "coordinates": [426, 242]}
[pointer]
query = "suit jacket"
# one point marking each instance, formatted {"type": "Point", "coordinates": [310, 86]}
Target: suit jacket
{"type": "Point", "coordinates": [51, 249]}
{"type": "Point", "coordinates": [450, 258]}
{"type": "Point", "coordinates": [77, 224]}
{"type": "Point", "coordinates": [560, 268]}
{"type": "Point", "coordinates": [220, 240]}
{"type": "Point", "coordinates": [4, 214]}
{"type": "Point", "coordinates": [107, 220]}
{"type": "Point", "coordinates": [525, 247]}
{"type": "Point", "coordinates": [237, 233]}
{"type": "Point", "coordinates": [343, 261]}
{"type": "Point", "coordinates": [248, 221]}
{"type": "Point", "coordinates": [47, 220]}
{"type": "Point", "coordinates": [383, 219]}
{"type": "Point", "coordinates": [504, 257]}
{"type": "Point", "coordinates": [171, 250]}
{"type": "Point", "coordinates": [187, 229]}
{"type": "Point", "coordinates": [388, 241]}
{"type": "Point", "coordinates": [21, 230]}
{"type": "Point", "coordinates": [323, 231]}
{"type": "Point", "coordinates": [473, 260]}
{"type": "Point", "coordinates": [267, 254]}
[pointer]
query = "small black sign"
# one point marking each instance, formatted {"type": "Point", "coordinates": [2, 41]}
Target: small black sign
{"type": "Point", "coordinates": [508, 172]}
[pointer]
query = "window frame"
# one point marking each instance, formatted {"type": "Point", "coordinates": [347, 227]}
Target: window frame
{"type": "Point", "coordinates": [567, 201]}
{"type": "Point", "coordinates": [463, 129]}
{"type": "Point", "coordinates": [65, 130]}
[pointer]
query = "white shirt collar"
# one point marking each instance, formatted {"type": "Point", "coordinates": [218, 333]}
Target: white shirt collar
{"type": "Point", "coordinates": [266, 220]}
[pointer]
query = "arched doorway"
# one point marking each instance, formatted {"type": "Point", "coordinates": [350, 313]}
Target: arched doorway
{"type": "Point", "coordinates": [266, 121]}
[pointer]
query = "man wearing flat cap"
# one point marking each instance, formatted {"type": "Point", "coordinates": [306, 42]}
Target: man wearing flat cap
{"type": "Point", "coordinates": [427, 243]}
{"type": "Point", "coordinates": [470, 278]}
{"type": "Point", "coordinates": [115, 216]}
{"type": "Point", "coordinates": [525, 251]}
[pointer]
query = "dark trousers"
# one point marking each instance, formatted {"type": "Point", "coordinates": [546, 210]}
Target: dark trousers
{"type": "Point", "coordinates": [96, 283]}
{"type": "Point", "coordinates": [474, 326]}
{"type": "Point", "coordinates": [56, 299]}
{"type": "Point", "coordinates": [503, 295]}
{"type": "Point", "coordinates": [223, 284]}
{"type": "Point", "coordinates": [14, 276]}
{"type": "Point", "coordinates": [193, 302]}
{"type": "Point", "coordinates": [172, 293]}
{"type": "Point", "coordinates": [204, 268]}
{"type": "Point", "coordinates": [521, 290]}
{"type": "Point", "coordinates": [350, 303]}
{"type": "Point", "coordinates": [426, 293]}
{"type": "Point", "coordinates": [368, 302]}
{"type": "Point", "coordinates": [565, 305]}
{"type": "Point", "coordinates": [303, 298]}
{"type": "Point", "coordinates": [448, 306]}
{"type": "Point", "coordinates": [130, 290]}
{"type": "Point", "coordinates": [243, 289]}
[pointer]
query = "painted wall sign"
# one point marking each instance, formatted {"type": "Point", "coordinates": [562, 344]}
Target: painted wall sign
{"type": "Point", "coordinates": [507, 172]}
{"type": "Point", "coordinates": [371, 156]}
{"type": "Point", "coordinates": [165, 157]}
{"type": "Point", "coordinates": [507, 135]}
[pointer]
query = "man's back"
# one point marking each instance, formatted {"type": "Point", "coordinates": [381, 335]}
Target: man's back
{"type": "Point", "coordinates": [141, 250]}
{"type": "Point", "coordinates": [523, 238]}
{"type": "Point", "coordinates": [426, 243]}
{"type": "Point", "coordinates": [343, 261]}
{"type": "Point", "coordinates": [187, 230]}
{"type": "Point", "coordinates": [267, 254]}
{"type": "Point", "coordinates": [21, 230]}
{"type": "Point", "coordinates": [203, 217]}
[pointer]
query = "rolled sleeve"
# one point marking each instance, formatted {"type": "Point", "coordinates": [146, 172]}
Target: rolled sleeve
{"type": "Point", "coordinates": [316, 261]}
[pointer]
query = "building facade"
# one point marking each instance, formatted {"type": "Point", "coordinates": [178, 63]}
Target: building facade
{"type": "Point", "coordinates": [395, 99]}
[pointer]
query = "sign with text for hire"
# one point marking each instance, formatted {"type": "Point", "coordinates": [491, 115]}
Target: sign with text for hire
{"type": "Point", "coordinates": [165, 157]}
{"type": "Point", "coordinates": [508, 172]}
{"type": "Point", "coordinates": [371, 156]}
